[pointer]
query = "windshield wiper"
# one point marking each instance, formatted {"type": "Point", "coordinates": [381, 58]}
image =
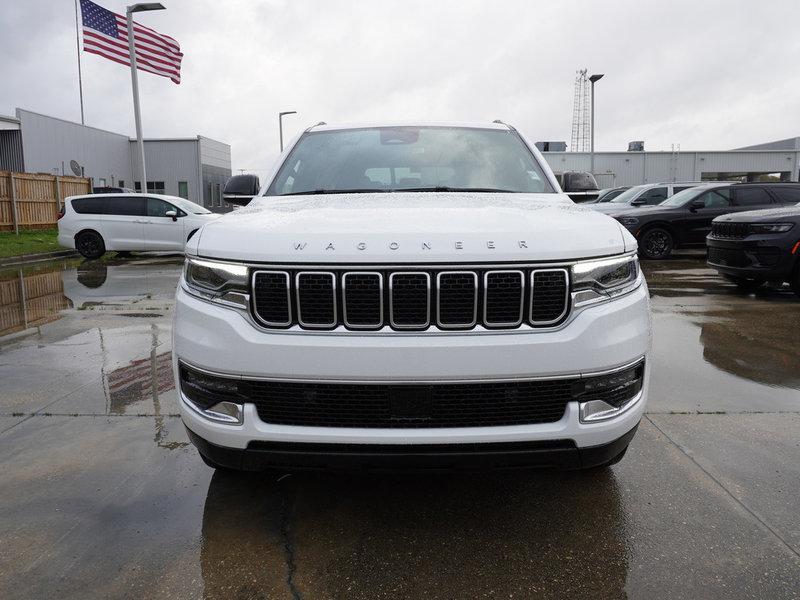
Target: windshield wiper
{"type": "Point", "coordinates": [325, 191]}
{"type": "Point", "coordinates": [444, 188]}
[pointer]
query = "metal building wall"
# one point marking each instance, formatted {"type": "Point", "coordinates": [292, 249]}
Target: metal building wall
{"type": "Point", "coordinates": [48, 142]}
{"type": "Point", "coordinates": [633, 168]}
{"type": "Point", "coordinates": [215, 169]}
{"type": "Point", "coordinates": [170, 161]}
{"type": "Point", "coordinates": [11, 151]}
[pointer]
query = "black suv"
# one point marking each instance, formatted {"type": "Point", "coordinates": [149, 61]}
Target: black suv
{"type": "Point", "coordinates": [756, 246]}
{"type": "Point", "coordinates": [684, 220]}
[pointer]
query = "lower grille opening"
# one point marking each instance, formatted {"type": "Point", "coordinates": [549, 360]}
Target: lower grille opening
{"type": "Point", "coordinates": [396, 406]}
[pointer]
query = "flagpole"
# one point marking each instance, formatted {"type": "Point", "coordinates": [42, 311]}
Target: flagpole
{"type": "Point", "coordinates": [135, 85]}
{"type": "Point", "coordinates": [78, 46]}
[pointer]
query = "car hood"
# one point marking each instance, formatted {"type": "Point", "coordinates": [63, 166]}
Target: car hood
{"type": "Point", "coordinates": [642, 211]}
{"type": "Point", "coordinates": [763, 215]}
{"type": "Point", "coordinates": [411, 227]}
{"type": "Point", "coordinates": [615, 207]}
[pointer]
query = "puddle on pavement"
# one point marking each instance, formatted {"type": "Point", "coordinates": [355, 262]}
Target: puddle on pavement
{"type": "Point", "coordinates": [701, 320]}
{"type": "Point", "coordinates": [35, 295]}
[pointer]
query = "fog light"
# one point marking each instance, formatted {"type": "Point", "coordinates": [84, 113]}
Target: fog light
{"type": "Point", "coordinates": [605, 396]}
{"type": "Point", "coordinates": [214, 397]}
{"type": "Point", "coordinates": [227, 412]}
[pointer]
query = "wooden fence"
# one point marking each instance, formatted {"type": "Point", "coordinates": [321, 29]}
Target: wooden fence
{"type": "Point", "coordinates": [32, 200]}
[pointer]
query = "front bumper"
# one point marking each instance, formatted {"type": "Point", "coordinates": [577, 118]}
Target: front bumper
{"type": "Point", "coordinates": [598, 338]}
{"type": "Point", "coordinates": [563, 454]}
{"type": "Point", "coordinates": [757, 257]}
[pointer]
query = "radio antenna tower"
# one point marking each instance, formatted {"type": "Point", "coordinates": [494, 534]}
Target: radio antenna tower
{"type": "Point", "coordinates": [581, 121]}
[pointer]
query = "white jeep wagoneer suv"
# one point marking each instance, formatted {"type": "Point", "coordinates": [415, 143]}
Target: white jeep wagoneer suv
{"type": "Point", "coordinates": [411, 296]}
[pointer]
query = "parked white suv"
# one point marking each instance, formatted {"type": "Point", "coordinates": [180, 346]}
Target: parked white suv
{"type": "Point", "coordinates": [96, 223]}
{"type": "Point", "coordinates": [417, 296]}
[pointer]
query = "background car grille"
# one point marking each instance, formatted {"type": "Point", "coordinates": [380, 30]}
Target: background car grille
{"type": "Point", "coordinates": [411, 300]}
{"type": "Point", "coordinates": [730, 230]}
{"type": "Point", "coordinates": [728, 257]}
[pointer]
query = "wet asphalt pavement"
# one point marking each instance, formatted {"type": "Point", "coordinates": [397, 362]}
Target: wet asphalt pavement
{"type": "Point", "coordinates": [102, 496]}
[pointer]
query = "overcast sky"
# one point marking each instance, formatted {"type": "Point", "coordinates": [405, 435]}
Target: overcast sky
{"type": "Point", "coordinates": [705, 75]}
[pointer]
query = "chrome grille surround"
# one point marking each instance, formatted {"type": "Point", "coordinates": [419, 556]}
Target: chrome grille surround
{"type": "Point", "coordinates": [253, 285]}
{"type": "Point", "coordinates": [532, 296]}
{"type": "Point", "coordinates": [486, 291]}
{"type": "Point", "coordinates": [348, 322]}
{"type": "Point", "coordinates": [299, 293]}
{"type": "Point", "coordinates": [466, 324]}
{"type": "Point", "coordinates": [392, 288]}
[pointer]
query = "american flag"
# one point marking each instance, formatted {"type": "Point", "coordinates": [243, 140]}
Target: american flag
{"type": "Point", "coordinates": [106, 33]}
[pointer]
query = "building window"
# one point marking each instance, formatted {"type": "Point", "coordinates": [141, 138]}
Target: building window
{"type": "Point", "coordinates": [121, 183]}
{"type": "Point", "coordinates": [153, 187]}
{"type": "Point", "coordinates": [183, 189]}
{"type": "Point", "coordinates": [218, 194]}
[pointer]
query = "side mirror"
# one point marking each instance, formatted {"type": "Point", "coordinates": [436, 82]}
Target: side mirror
{"type": "Point", "coordinates": [578, 181]}
{"type": "Point", "coordinates": [240, 189]}
{"type": "Point", "coordinates": [695, 204]}
{"type": "Point", "coordinates": [638, 201]}
{"type": "Point", "coordinates": [172, 213]}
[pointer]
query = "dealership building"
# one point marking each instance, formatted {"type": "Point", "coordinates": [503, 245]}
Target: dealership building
{"type": "Point", "coordinates": [780, 159]}
{"type": "Point", "coordinates": [195, 168]}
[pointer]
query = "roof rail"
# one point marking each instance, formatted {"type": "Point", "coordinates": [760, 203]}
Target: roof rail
{"type": "Point", "coordinates": [316, 125]}
{"type": "Point", "coordinates": [499, 122]}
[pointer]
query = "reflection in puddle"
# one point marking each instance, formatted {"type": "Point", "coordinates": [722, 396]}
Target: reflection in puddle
{"type": "Point", "coordinates": [140, 380]}
{"type": "Point", "coordinates": [29, 299]}
{"type": "Point", "coordinates": [415, 536]}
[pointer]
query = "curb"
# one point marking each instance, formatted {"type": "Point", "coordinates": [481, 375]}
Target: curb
{"type": "Point", "coordinates": [32, 258]}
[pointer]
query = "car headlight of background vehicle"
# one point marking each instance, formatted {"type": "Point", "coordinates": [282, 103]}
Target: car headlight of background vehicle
{"type": "Point", "coordinates": [604, 279]}
{"type": "Point", "coordinates": [770, 227]}
{"type": "Point", "coordinates": [628, 221]}
{"type": "Point", "coordinates": [220, 282]}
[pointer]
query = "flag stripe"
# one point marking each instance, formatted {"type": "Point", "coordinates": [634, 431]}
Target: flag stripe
{"type": "Point", "coordinates": [105, 33]}
{"type": "Point", "coordinates": [101, 47]}
{"type": "Point", "coordinates": [140, 55]}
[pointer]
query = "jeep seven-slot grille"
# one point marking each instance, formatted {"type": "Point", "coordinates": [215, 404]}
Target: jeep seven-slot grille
{"type": "Point", "coordinates": [410, 299]}
{"type": "Point", "coordinates": [730, 230]}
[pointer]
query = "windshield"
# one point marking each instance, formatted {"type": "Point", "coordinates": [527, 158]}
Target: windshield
{"type": "Point", "coordinates": [389, 159]}
{"type": "Point", "coordinates": [629, 194]}
{"type": "Point", "coordinates": [685, 196]}
{"type": "Point", "coordinates": [189, 206]}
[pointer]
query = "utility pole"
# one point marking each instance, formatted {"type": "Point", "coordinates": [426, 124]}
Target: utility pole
{"type": "Point", "coordinates": [593, 79]}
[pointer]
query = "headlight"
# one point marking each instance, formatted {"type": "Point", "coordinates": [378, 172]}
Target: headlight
{"type": "Point", "coordinates": [628, 221]}
{"type": "Point", "coordinates": [770, 227]}
{"type": "Point", "coordinates": [597, 280]}
{"type": "Point", "coordinates": [221, 282]}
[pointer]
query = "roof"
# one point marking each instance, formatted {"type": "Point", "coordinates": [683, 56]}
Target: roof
{"type": "Point", "coordinates": [455, 124]}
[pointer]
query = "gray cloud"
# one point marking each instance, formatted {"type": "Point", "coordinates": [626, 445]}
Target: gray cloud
{"type": "Point", "coordinates": [707, 75]}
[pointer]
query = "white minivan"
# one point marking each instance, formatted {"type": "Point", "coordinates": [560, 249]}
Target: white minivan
{"type": "Point", "coordinates": [96, 223]}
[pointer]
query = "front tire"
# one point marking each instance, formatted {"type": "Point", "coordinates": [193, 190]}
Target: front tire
{"type": "Point", "coordinates": [656, 244]}
{"type": "Point", "coordinates": [90, 244]}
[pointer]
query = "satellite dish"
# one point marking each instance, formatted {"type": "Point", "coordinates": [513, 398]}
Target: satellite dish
{"type": "Point", "coordinates": [76, 168]}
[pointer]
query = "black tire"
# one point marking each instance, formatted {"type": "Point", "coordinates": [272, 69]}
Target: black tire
{"type": "Point", "coordinates": [656, 243]}
{"type": "Point", "coordinates": [745, 284]}
{"type": "Point", "coordinates": [90, 244]}
{"type": "Point", "coordinates": [795, 282]}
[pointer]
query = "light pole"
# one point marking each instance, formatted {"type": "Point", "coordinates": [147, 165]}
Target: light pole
{"type": "Point", "coordinates": [134, 8]}
{"type": "Point", "coordinates": [280, 123]}
{"type": "Point", "coordinates": [593, 78]}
